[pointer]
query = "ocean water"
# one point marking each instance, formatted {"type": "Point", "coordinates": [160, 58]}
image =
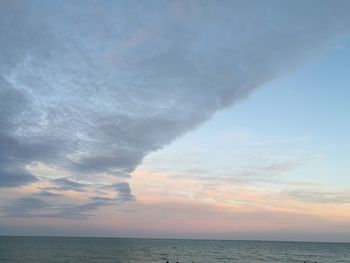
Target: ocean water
{"type": "Point", "coordinates": [105, 250]}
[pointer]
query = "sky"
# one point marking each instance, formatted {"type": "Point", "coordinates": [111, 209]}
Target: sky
{"type": "Point", "coordinates": [175, 119]}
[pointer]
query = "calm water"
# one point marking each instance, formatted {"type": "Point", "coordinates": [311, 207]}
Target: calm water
{"type": "Point", "coordinates": [103, 250]}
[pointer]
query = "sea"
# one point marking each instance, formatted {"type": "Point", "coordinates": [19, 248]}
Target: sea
{"type": "Point", "coordinates": [123, 250]}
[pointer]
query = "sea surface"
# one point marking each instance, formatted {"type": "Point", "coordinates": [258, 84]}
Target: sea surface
{"type": "Point", "coordinates": [105, 250]}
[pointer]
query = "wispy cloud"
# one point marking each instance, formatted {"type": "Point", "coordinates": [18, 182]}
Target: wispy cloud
{"type": "Point", "coordinates": [318, 196]}
{"type": "Point", "coordinates": [28, 207]}
{"type": "Point", "coordinates": [46, 204]}
{"type": "Point", "coordinates": [66, 184]}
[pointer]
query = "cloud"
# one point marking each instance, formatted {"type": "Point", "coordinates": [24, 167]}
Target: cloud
{"type": "Point", "coordinates": [45, 194]}
{"type": "Point", "coordinates": [78, 211]}
{"type": "Point", "coordinates": [94, 87]}
{"type": "Point", "coordinates": [26, 206]}
{"type": "Point", "coordinates": [316, 196]}
{"type": "Point", "coordinates": [14, 153]}
{"type": "Point", "coordinates": [124, 191]}
{"type": "Point", "coordinates": [45, 204]}
{"type": "Point", "coordinates": [15, 178]}
{"type": "Point", "coordinates": [63, 184]}
{"type": "Point", "coordinates": [51, 201]}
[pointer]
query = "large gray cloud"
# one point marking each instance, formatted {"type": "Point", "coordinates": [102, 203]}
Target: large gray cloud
{"type": "Point", "coordinates": [94, 86]}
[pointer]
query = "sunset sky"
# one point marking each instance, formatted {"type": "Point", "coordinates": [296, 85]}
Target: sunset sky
{"type": "Point", "coordinates": [175, 119]}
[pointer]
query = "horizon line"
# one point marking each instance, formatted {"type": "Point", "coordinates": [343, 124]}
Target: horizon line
{"type": "Point", "coordinates": [158, 238]}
